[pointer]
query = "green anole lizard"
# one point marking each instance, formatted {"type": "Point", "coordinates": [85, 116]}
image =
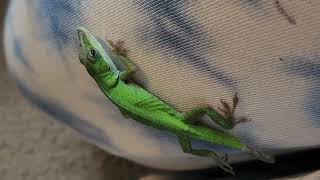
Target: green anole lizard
{"type": "Point", "coordinates": [135, 102]}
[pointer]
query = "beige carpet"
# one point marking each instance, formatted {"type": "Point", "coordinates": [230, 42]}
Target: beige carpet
{"type": "Point", "coordinates": [33, 146]}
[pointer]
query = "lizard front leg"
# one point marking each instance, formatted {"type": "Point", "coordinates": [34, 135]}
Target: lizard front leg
{"type": "Point", "coordinates": [226, 121]}
{"type": "Point", "coordinates": [186, 146]}
{"type": "Point", "coordinates": [121, 52]}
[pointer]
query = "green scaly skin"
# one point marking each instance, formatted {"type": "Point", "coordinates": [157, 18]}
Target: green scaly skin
{"type": "Point", "coordinates": [135, 102]}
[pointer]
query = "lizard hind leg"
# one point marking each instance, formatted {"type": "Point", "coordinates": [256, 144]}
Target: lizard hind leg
{"type": "Point", "coordinates": [226, 121]}
{"type": "Point", "coordinates": [222, 162]}
{"type": "Point", "coordinates": [193, 116]}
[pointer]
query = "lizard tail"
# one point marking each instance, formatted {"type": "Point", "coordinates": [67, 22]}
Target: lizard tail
{"type": "Point", "coordinates": [259, 155]}
{"type": "Point", "coordinates": [216, 137]}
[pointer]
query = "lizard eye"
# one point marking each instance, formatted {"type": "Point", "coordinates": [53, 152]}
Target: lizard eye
{"type": "Point", "coordinates": [93, 54]}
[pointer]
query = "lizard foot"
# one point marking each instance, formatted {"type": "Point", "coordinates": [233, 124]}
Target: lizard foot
{"type": "Point", "coordinates": [222, 162]}
{"type": "Point", "coordinates": [228, 112]}
{"type": "Point", "coordinates": [259, 155]}
{"type": "Point", "coordinates": [118, 48]}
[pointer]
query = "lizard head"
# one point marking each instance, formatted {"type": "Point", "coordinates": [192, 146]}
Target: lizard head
{"type": "Point", "coordinates": [93, 56]}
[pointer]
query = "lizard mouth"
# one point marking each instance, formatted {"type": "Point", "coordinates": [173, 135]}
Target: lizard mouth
{"type": "Point", "coordinates": [82, 36]}
{"type": "Point", "coordinates": [81, 33]}
{"type": "Point", "coordinates": [82, 39]}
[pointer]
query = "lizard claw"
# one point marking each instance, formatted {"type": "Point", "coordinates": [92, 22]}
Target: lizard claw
{"type": "Point", "coordinates": [225, 158]}
{"type": "Point", "coordinates": [226, 106]}
{"type": "Point", "coordinates": [243, 119]}
{"type": "Point", "coordinates": [223, 164]}
{"type": "Point", "coordinates": [235, 101]}
{"type": "Point", "coordinates": [228, 112]}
